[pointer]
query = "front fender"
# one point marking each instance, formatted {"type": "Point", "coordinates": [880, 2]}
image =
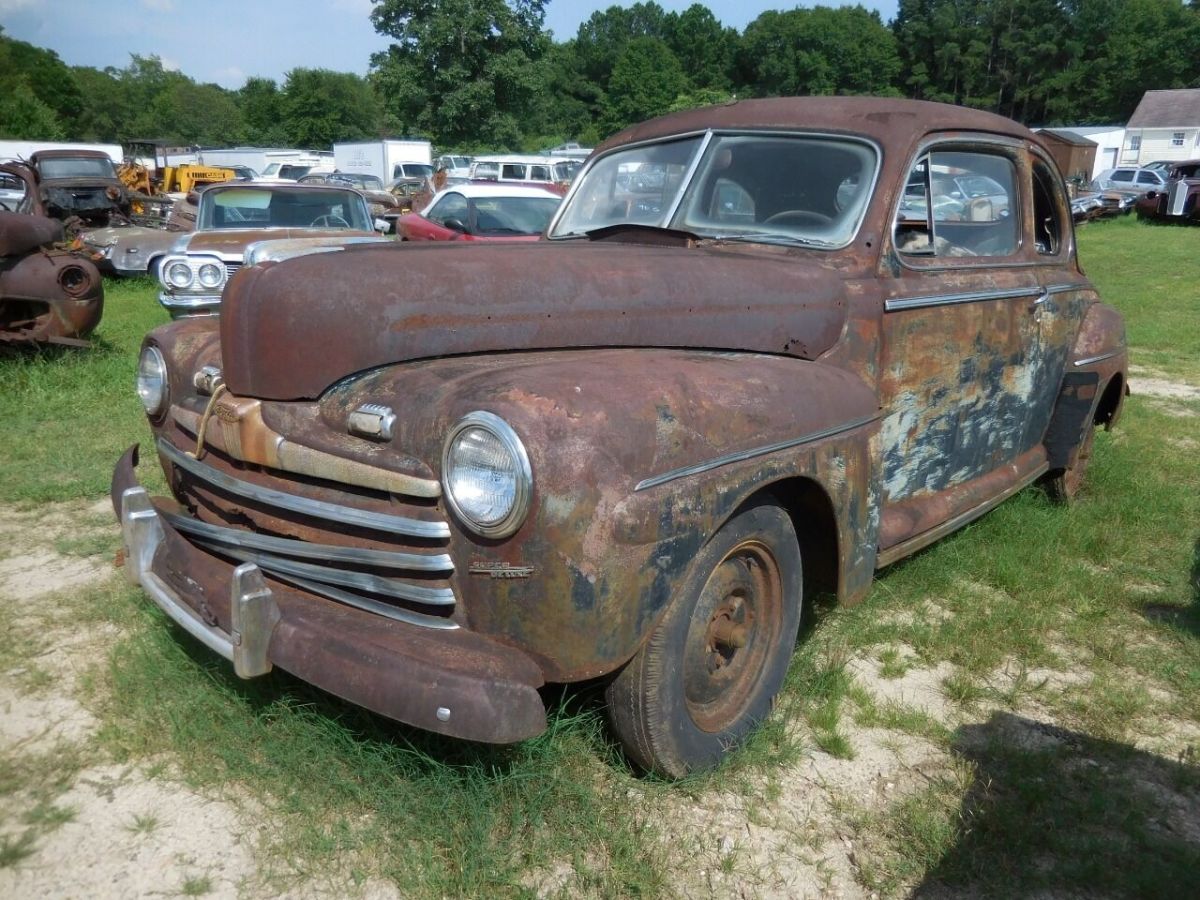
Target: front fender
{"type": "Point", "coordinates": [638, 456]}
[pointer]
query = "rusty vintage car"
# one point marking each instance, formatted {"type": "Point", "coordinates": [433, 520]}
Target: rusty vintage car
{"type": "Point", "coordinates": [432, 482]}
{"type": "Point", "coordinates": [1179, 201]}
{"type": "Point", "coordinates": [79, 187]}
{"type": "Point", "coordinates": [47, 294]}
{"type": "Point", "coordinates": [232, 216]}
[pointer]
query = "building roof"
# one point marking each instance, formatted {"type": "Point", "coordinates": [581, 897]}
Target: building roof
{"type": "Point", "coordinates": [1163, 109]}
{"type": "Point", "coordinates": [1067, 137]}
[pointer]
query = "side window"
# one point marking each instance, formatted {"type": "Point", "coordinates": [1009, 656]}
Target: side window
{"type": "Point", "coordinates": [452, 206]}
{"type": "Point", "coordinates": [959, 204]}
{"type": "Point", "coordinates": [539, 173]}
{"type": "Point", "coordinates": [1049, 227]}
{"type": "Point", "coordinates": [1122, 175]}
{"type": "Point", "coordinates": [512, 171]}
{"type": "Point", "coordinates": [1147, 178]}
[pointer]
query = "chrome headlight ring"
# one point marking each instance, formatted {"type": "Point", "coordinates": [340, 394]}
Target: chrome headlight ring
{"type": "Point", "coordinates": [486, 475]}
{"type": "Point", "coordinates": [153, 385]}
{"type": "Point", "coordinates": [189, 274]}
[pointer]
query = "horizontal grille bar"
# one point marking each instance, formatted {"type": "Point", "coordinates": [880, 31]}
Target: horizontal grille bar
{"type": "Point", "coordinates": [386, 587]}
{"type": "Point", "coordinates": [383, 559]}
{"type": "Point", "coordinates": [333, 512]}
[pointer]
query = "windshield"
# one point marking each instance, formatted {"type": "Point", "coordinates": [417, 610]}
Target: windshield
{"type": "Point", "coordinates": [251, 207]}
{"type": "Point", "coordinates": [365, 182]}
{"type": "Point", "coordinates": [76, 167]}
{"type": "Point", "coordinates": [809, 190]}
{"type": "Point", "coordinates": [296, 172]}
{"type": "Point", "coordinates": [501, 216]}
{"type": "Point", "coordinates": [413, 170]}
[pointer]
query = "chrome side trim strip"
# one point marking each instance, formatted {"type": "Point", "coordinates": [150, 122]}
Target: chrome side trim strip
{"type": "Point", "coordinates": [1066, 288]}
{"type": "Point", "coordinates": [900, 303]}
{"type": "Point", "coordinates": [366, 604]}
{"type": "Point", "coordinates": [386, 559]}
{"type": "Point", "coordinates": [743, 455]}
{"type": "Point", "coordinates": [334, 512]}
{"type": "Point", "coordinates": [1100, 357]}
{"type": "Point", "coordinates": [387, 587]}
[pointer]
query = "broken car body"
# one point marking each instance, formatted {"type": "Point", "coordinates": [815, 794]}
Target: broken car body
{"type": "Point", "coordinates": [47, 294]}
{"type": "Point", "coordinates": [1179, 201]}
{"type": "Point", "coordinates": [431, 482]}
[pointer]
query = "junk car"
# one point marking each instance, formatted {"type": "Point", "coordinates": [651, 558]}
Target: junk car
{"type": "Point", "coordinates": [1179, 201]}
{"type": "Point", "coordinates": [79, 187]}
{"type": "Point", "coordinates": [232, 216]}
{"type": "Point", "coordinates": [482, 212]}
{"type": "Point", "coordinates": [47, 294]}
{"type": "Point", "coordinates": [432, 482]}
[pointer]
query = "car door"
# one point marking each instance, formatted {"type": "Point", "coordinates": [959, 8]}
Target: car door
{"type": "Point", "coordinates": [958, 348]}
{"type": "Point", "coordinates": [431, 226]}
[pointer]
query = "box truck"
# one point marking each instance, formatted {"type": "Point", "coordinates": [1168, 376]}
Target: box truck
{"type": "Point", "coordinates": [25, 149]}
{"type": "Point", "coordinates": [386, 159]}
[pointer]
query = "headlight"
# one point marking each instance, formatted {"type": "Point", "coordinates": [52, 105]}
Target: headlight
{"type": "Point", "coordinates": [211, 275]}
{"type": "Point", "coordinates": [179, 275]}
{"type": "Point", "coordinates": [152, 380]}
{"type": "Point", "coordinates": [486, 475]}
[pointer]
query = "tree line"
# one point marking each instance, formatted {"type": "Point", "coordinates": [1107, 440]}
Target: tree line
{"type": "Point", "coordinates": [475, 74]}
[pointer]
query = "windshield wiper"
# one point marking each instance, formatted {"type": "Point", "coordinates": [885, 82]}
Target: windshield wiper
{"type": "Point", "coordinates": [785, 240]}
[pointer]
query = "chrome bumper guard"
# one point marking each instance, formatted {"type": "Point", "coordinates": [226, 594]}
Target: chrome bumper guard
{"type": "Point", "coordinates": [253, 610]}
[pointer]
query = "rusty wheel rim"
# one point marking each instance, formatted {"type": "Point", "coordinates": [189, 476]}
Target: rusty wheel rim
{"type": "Point", "coordinates": [734, 626]}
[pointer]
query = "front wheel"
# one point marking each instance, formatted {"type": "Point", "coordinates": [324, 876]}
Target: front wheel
{"type": "Point", "coordinates": [714, 663]}
{"type": "Point", "coordinates": [1063, 485]}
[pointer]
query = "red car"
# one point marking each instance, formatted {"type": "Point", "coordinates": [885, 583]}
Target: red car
{"type": "Point", "coordinates": [482, 212]}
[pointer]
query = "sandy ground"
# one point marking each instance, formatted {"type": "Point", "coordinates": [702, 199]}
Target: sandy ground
{"type": "Point", "coordinates": [137, 832]}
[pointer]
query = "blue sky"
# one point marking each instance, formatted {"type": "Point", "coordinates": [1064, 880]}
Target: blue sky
{"type": "Point", "coordinates": [264, 37]}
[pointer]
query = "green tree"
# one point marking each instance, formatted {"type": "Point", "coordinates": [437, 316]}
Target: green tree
{"type": "Point", "coordinates": [23, 115]}
{"type": "Point", "coordinates": [319, 107]}
{"type": "Point", "coordinates": [460, 70]}
{"type": "Point", "coordinates": [46, 79]}
{"type": "Point", "coordinates": [645, 82]}
{"type": "Point", "coordinates": [846, 50]}
{"type": "Point", "coordinates": [261, 104]}
{"type": "Point", "coordinates": [104, 111]}
{"type": "Point", "coordinates": [704, 47]}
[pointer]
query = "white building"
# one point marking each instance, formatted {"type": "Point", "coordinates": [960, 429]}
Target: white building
{"type": "Point", "coordinates": [1165, 126]}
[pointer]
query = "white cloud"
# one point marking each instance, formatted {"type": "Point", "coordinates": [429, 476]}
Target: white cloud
{"type": "Point", "coordinates": [230, 77]}
{"type": "Point", "coordinates": [159, 5]}
{"type": "Point", "coordinates": [171, 65]}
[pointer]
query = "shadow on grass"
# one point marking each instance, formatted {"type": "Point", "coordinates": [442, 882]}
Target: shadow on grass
{"type": "Point", "coordinates": [46, 352]}
{"type": "Point", "coordinates": [1184, 618]}
{"type": "Point", "coordinates": [1053, 812]}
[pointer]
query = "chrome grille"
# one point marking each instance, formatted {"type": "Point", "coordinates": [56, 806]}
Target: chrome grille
{"type": "Point", "coordinates": [1177, 198]}
{"type": "Point", "coordinates": [231, 269]}
{"type": "Point", "coordinates": [409, 584]}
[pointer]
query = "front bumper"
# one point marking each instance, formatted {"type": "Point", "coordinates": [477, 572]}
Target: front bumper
{"type": "Point", "coordinates": [180, 305]}
{"type": "Point", "coordinates": [457, 683]}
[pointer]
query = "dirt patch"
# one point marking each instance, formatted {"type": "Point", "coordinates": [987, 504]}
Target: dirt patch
{"type": "Point", "coordinates": [917, 688]}
{"type": "Point", "coordinates": [135, 837]}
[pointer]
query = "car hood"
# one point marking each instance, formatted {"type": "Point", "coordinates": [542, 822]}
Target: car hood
{"type": "Point", "coordinates": [290, 330]}
{"type": "Point", "coordinates": [233, 241]}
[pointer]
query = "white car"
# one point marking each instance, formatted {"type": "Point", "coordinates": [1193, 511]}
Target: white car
{"type": "Point", "coordinates": [1130, 178]}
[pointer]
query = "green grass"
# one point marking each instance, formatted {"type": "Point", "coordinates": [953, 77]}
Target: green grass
{"type": "Point", "coordinates": [1107, 591]}
{"type": "Point", "coordinates": [68, 414]}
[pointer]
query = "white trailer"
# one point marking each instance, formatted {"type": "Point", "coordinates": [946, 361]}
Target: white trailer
{"type": "Point", "coordinates": [385, 159]}
{"type": "Point", "coordinates": [261, 159]}
{"type": "Point", "coordinates": [25, 149]}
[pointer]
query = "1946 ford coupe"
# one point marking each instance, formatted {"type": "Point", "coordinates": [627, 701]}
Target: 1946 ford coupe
{"type": "Point", "coordinates": [764, 349]}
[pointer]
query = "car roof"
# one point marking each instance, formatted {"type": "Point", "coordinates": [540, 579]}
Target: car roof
{"type": "Point", "coordinates": [885, 119]}
{"type": "Point", "coordinates": [68, 154]}
{"type": "Point", "coordinates": [475, 191]}
{"type": "Point", "coordinates": [289, 187]}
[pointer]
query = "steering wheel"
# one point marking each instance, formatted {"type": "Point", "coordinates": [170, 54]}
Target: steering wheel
{"type": "Point", "coordinates": [801, 217]}
{"type": "Point", "coordinates": [329, 220]}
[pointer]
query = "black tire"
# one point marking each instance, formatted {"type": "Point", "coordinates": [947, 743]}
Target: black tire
{"type": "Point", "coordinates": [712, 666]}
{"type": "Point", "coordinates": [1064, 485]}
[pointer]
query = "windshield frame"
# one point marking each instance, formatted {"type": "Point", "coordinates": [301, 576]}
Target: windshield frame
{"type": "Point", "coordinates": [707, 135]}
